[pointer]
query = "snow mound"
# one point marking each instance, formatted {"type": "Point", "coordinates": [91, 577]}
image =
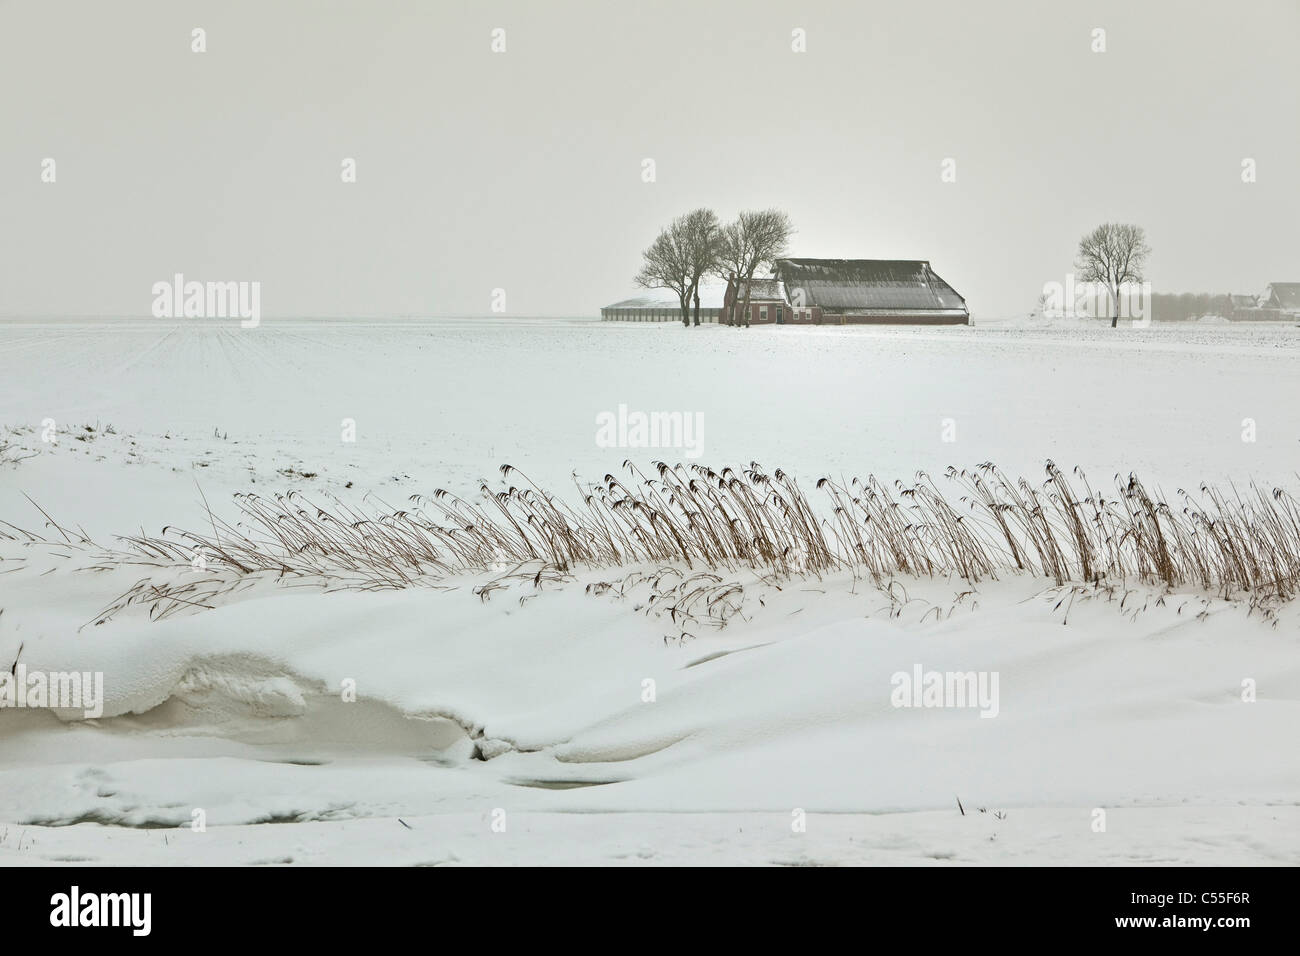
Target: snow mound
{"type": "Point", "coordinates": [575, 701]}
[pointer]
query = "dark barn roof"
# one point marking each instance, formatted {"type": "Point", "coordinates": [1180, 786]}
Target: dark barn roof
{"type": "Point", "coordinates": [854, 285]}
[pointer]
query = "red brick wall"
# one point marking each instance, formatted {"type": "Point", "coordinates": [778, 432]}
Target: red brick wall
{"type": "Point", "coordinates": [756, 312]}
{"type": "Point", "coordinates": [792, 316]}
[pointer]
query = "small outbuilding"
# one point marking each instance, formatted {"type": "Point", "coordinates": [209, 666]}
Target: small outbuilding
{"type": "Point", "coordinates": [660, 305]}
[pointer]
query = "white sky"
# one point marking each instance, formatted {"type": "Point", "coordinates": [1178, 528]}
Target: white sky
{"type": "Point", "coordinates": [522, 170]}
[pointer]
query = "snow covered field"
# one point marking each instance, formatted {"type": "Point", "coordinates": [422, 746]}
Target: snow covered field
{"type": "Point", "coordinates": [443, 403]}
{"type": "Point", "coordinates": [545, 721]}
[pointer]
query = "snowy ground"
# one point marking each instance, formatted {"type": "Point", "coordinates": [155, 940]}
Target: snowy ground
{"type": "Point", "coordinates": [1124, 700]}
{"type": "Point", "coordinates": [443, 403]}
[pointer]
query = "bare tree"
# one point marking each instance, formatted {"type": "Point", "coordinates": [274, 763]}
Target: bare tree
{"type": "Point", "coordinates": [680, 257]}
{"type": "Point", "coordinates": [1113, 254]}
{"type": "Point", "coordinates": [755, 238]}
{"type": "Point", "coordinates": [667, 265]}
{"type": "Point", "coordinates": [701, 231]}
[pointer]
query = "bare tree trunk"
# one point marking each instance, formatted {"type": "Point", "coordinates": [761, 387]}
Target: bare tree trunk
{"type": "Point", "coordinates": [685, 303]}
{"type": "Point", "coordinates": [697, 306]}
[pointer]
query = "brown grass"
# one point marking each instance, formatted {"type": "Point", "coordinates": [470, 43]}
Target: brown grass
{"type": "Point", "coordinates": [1229, 542]}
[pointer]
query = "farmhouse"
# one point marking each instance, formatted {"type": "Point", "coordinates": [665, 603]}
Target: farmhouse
{"type": "Point", "coordinates": [1279, 302]}
{"type": "Point", "coordinates": [767, 301]}
{"type": "Point", "coordinates": [1283, 296]}
{"type": "Point", "coordinates": [869, 292]}
{"type": "Point", "coordinates": [816, 292]}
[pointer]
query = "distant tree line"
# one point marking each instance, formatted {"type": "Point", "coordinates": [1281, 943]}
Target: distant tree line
{"type": "Point", "coordinates": [1166, 306]}
{"type": "Point", "coordinates": [698, 244]}
{"type": "Point", "coordinates": [1180, 306]}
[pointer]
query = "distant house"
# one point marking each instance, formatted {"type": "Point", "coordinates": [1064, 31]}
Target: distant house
{"type": "Point", "coordinates": [869, 292]}
{"type": "Point", "coordinates": [1283, 296]}
{"type": "Point", "coordinates": [1240, 300]}
{"type": "Point", "coordinates": [1280, 302]}
{"type": "Point", "coordinates": [767, 302]}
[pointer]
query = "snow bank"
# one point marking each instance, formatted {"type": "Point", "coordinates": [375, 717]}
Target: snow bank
{"type": "Point", "coordinates": [585, 703]}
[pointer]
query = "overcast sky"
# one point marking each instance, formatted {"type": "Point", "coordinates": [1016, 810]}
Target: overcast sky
{"type": "Point", "coordinates": [523, 170]}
